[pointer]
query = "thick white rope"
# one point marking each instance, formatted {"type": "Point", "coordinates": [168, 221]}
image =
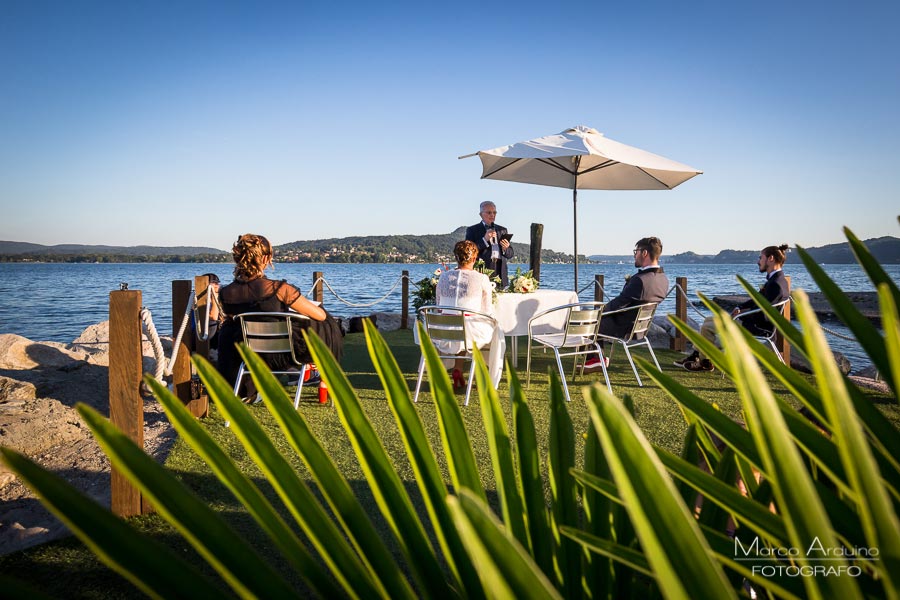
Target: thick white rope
{"type": "Point", "coordinates": [192, 299]}
{"type": "Point", "coordinates": [153, 336]}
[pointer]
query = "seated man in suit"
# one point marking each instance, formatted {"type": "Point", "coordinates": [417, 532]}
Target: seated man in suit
{"type": "Point", "coordinates": [487, 236]}
{"type": "Point", "coordinates": [649, 284]}
{"type": "Point", "coordinates": [776, 289]}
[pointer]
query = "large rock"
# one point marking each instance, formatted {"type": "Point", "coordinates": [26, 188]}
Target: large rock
{"type": "Point", "coordinates": [799, 363]}
{"type": "Point", "coordinates": [40, 384]}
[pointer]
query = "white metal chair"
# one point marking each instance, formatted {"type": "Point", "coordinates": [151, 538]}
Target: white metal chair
{"type": "Point", "coordinates": [578, 338]}
{"type": "Point", "coordinates": [447, 325]}
{"type": "Point", "coordinates": [770, 337]}
{"type": "Point", "coordinates": [637, 336]}
{"type": "Point", "coordinates": [271, 333]}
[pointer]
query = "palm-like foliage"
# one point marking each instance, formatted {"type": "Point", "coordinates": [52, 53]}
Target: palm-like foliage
{"type": "Point", "coordinates": [623, 525]}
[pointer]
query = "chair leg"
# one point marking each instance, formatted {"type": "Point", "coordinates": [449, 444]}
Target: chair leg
{"type": "Point", "coordinates": [776, 350]}
{"type": "Point", "coordinates": [603, 368]}
{"type": "Point", "coordinates": [240, 376]}
{"type": "Point", "coordinates": [562, 374]}
{"type": "Point", "coordinates": [471, 379]}
{"type": "Point", "coordinates": [633, 367]}
{"type": "Point", "coordinates": [299, 386]}
{"type": "Point", "coordinates": [419, 380]}
{"type": "Point", "coordinates": [528, 365]}
{"type": "Point", "coordinates": [653, 354]}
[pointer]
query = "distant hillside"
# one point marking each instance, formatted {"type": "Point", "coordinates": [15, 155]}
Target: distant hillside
{"type": "Point", "coordinates": [436, 247]}
{"type": "Point", "coordinates": [886, 250]}
{"type": "Point", "coordinates": [38, 249]}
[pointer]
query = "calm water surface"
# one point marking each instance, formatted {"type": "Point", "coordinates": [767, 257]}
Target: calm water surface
{"type": "Point", "coordinates": [55, 302]}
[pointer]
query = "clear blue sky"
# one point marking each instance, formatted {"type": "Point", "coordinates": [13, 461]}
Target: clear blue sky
{"type": "Point", "coordinates": [189, 123]}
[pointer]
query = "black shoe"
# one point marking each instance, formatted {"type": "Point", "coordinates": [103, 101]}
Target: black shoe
{"type": "Point", "coordinates": [700, 365]}
{"type": "Point", "coordinates": [314, 379]}
{"type": "Point", "coordinates": [689, 358]}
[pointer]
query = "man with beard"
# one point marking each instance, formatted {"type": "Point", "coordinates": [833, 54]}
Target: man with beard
{"type": "Point", "coordinates": [775, 290]}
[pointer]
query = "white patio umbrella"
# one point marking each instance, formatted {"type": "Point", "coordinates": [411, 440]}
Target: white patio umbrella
{"type": "Point", "coordinates": [581, 158]}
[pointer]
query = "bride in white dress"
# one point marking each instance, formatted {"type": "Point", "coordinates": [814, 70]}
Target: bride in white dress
{"type": "Point", "coordinates": [466, 288]}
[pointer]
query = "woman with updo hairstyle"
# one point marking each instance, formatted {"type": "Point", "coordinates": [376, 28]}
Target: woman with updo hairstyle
{"type": "Point", "coordinates": [465, 287]}
{"type": "Point", "coordinates": [252, 291]}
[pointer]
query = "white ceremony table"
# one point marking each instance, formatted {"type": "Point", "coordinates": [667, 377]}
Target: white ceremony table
{"type": "Point", "coordinates": [514, 310]}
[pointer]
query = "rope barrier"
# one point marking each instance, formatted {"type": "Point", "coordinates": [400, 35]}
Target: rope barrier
{"type": "Point", "coordinates": [353, 304]}
{"type": "Point", "coordinates": [153, 336]}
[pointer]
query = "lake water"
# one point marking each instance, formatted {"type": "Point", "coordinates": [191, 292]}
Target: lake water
{"type": "Point", "coordinates": [56, 302]}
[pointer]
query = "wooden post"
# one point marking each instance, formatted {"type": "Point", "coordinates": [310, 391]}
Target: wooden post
{"type": "Point", "coordinates": [404, 302]}
{"type": "Point", "coordinates": [598, 288]}
{"type": "Point", "coordinates": [201, 347]}
{"type": "Point", "coordinates": [181, 370]}
{"type": "Point", "coordinates": [679, 342]}
{"type": "Point", "coordinates": [534, 259]}
{"type": "Point", "coordinates": [318, 291]}
{"type": "Point", "coordinates": [783, 346]}
{"type": "Point", "coordinates": [126, 406]}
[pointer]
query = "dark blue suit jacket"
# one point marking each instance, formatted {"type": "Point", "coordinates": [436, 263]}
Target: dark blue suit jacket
{"type": "Point", "coordinates": [475, 234]}
{"type": "Point", "coordinates": [775, 290]}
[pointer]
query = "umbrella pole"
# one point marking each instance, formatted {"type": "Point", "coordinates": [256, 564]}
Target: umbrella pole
{"type": "Point", "coordinates": [575, 221]}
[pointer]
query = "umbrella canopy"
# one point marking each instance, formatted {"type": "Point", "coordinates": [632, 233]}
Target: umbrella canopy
{"type": "Point", "coordinates": [581, 158]}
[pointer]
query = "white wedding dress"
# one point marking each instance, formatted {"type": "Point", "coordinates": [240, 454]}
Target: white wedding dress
{"type": "Point", "coordinates": [472, 290]}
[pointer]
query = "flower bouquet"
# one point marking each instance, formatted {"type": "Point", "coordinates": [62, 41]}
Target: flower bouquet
{"type": "Point", "coordinates": [482, 268]}
{"type": "Point", "coordinates": [523, 282]}
{"type": "Point", "coordinates": [425, 292]}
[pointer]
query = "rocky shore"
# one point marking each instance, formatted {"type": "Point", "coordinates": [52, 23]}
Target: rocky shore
{"type": "Point", "coordinates": [40, 384]}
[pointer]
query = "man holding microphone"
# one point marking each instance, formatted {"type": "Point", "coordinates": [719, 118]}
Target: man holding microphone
{"type": "Point", "coordinates": [492, 241]}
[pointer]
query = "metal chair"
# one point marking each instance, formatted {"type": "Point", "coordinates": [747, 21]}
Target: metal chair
{"type": "Point", "coordinates": [271, 333]}
{"type": "Point", "coordinates": [578, 336]}
{"type": "Point", "coordinates": [637, 335]}
{"type": "Point", "coordinates": [770, 337]}
{"type": "Point", "coordinates": [447, 325]}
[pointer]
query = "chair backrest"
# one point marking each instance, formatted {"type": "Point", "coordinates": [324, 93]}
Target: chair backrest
{"type": "Point", "coordinates": [781, 306]}
{"type": "Point", "coordinates": [448, 323]}
{"type": "Point", "coordinates": [583, 322]}
{"type": "Point", "coordinates": [270, 332]}
{"type": "Point", "coordinates": [642, 320]}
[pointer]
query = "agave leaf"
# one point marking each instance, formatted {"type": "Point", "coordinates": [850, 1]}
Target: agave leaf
{"type": "Point", "coordinates": [505, 568]}
{"type": "Point", "coordinates": [421, 457]}
{"type": "Point", "coordinates": [612, 551]}
{"type": "Point", "coordinates": [457, 450]}
{"type": "Point", "coordinates": [501, 453]}
{"type": "Point", "coordinates": [712, 515]}
{"type": "Point", "coordinates": [386, 485]}
{"type": "Point", "coordinates": [877, 275]}
{"type": "Point", "coordinates": [334, 487]}
{"type": "Point", "coordinates": [733, 435]}
{"type": "Point", "coordinates": [564, 508]}
{"type": "Point", "coordinates": [149, 565]}
{"type": "Point", "coordinates": [804, 515]}
{"type": "Point", "coordinates": [700, 343]}
{"type": "Point", "coordinates": [865, 332]}
{"type": "Point", "coordinates": [528, 462]}
{"type": "Point", "coordinates": [891, 323]}
{"type": "Point", "coordinates": [228, 553]}
{"type": "Point", "coordinates": [669, 535]}
{"type": "Point", "coordinates": [726, 495]}
{"type": "Point", "coordinates": [303, 505]}
{"type": "Point", "coordinates": [877, 514]}
{"type": "Point", "coordinates": [250, 496]}
{"type": "Point", "coordinates": [598, 516]}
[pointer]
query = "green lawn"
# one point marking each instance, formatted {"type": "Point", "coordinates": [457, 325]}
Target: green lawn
{"type": "Point", "coordinates": [66, 569]}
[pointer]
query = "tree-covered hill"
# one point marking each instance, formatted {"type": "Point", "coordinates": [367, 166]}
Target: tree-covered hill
{"type": "Point", "coordinates": [885, 249]}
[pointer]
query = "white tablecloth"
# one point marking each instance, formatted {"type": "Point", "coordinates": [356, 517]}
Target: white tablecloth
{"type": "Point", "coordinates": [514, 310]}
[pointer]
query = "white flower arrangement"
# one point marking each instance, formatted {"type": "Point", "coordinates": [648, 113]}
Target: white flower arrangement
{"type": "Point", "coordinates": [523, 283]}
